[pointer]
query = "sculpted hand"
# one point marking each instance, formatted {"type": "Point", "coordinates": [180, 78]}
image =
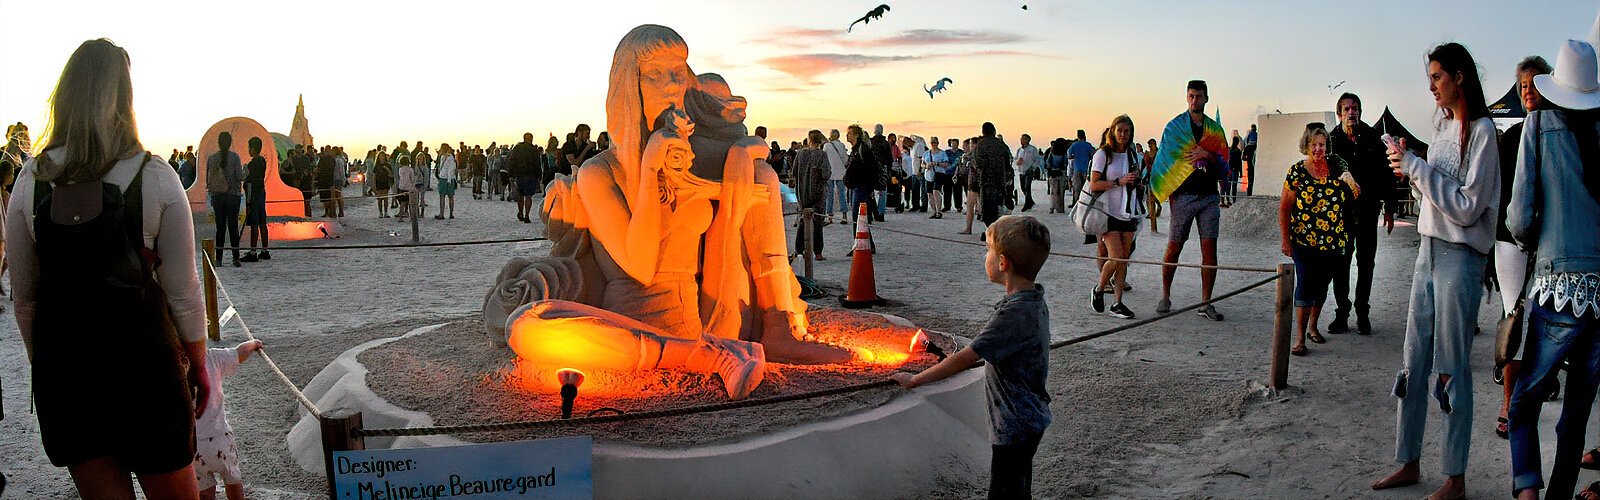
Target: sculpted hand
{"type": "Point", "coordinates": [668, 147]}
{"type": "Point", "coordinates": [1287, 250]}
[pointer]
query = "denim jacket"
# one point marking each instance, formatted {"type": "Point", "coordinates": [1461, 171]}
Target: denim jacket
{"type": "Point", "coordinates": [1551, 210]}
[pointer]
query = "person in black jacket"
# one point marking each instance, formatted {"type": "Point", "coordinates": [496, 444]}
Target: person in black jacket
{"type": "Point", "coordinates": [524, 169]}
{"type": "Point", "coordinates": [1361, 148]}
{"type": "Point", "coordinates": [861, 174]}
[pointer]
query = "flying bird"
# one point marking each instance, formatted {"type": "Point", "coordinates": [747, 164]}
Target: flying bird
{"type": "Point", "coordinates": [1336, 86]}
{"type": "Point", "coordinates": [876, 13]}
{"type": "Point", "coordinates": [937, 87]}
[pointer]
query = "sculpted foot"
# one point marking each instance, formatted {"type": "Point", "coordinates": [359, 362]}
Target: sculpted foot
{"type": "Point", "coordinates": [740, 364]}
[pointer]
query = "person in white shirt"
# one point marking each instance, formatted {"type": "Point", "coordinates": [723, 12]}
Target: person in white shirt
{"type": "Point", "coordinates": [406, 186]}
{"type": "Point", "coordinates": [1114, 172]}
{"type": "Point", "coordinates": [1459, 186]}
{"type": "Point", "coordinates": [911, 164]}
{"type": "Point", "coordinates": [215, 451]}
{"type": "Point", "coordinates": [1028, 162]}
{"type": "Point", "coordinates": [447, 175]}
{"type": "Point", "coordinates": [838, 195]}
{"type": "Point", "coordinates": [935, 160]}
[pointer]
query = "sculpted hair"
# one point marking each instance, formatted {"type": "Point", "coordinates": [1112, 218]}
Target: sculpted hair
{"type": "Point", "coordinates": [625, 118]}
{"type": "Point", "coordinates": [91, 114]}
{"type": "Point", "coordinates": [1024, 241]}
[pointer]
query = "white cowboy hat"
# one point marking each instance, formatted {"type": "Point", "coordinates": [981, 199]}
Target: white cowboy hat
{"type": "Point", "coordinates": [1576, 81]}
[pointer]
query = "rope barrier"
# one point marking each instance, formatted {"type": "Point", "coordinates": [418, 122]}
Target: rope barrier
{"type": "Point", "coordinates": [393, 245]}
{"type": "Point", "coordinates": [732, 405]}
{"type": "Point", "coordinates": [1092, 257]}
{"type": "Point", "coordinates": [344, 198]}
{"type": "Point", "coordinates": [304, 401]}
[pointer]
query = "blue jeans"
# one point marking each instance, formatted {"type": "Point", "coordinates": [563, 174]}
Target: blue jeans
{"type": "Point", "coordinates": [838, 198]}
{"type": "Point", "coordinates": [1446, 288]}
{"type": "Point", "coordinates": [1551, 337]}
{"type": "Point", "coordinates": [861, 196]}
{"type": "Point", "coordinates": [883, 201]}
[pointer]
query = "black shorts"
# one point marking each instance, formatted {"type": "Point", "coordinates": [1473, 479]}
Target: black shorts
{"type": "Point", "coordinates": [1115, 225]}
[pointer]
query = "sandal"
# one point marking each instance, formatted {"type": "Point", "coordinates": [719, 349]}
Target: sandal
{"type": "Point", "coordinates": [1591, 460]}
{"type": "Point", "coordinates": [1299, 350]}
{"type": "Point", "coordinates": [1502, 428]}
{"type": "Point", "coordinates": [1316, 337]}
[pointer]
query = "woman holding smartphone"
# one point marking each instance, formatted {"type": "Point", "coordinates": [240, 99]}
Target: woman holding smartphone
{"type": "Point", "coordinates": [1459, 183]}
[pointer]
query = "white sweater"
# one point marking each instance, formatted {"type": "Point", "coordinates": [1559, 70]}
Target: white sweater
{"type": "Point", "coordinates": [1460, 197]}
{"type": "Point", "coordinates": [168, 227]}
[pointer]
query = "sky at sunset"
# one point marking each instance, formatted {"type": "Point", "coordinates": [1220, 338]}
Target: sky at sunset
{"type": "Point", "coordinates": [487, 71]}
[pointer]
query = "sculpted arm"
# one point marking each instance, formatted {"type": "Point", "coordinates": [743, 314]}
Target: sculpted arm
{"type": "Point", "coordinates": [631, 236]}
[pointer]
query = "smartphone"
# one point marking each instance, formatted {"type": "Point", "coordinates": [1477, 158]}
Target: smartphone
{"type": "Point", "coordinates": [1392, 142]}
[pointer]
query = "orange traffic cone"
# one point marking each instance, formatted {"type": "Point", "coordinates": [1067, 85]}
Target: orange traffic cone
{"type": "Point", "coordinates": [863, 291]}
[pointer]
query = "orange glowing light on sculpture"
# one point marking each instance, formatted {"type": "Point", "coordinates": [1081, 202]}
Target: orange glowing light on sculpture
{"type": "Point", "coordinates": [919, 342]}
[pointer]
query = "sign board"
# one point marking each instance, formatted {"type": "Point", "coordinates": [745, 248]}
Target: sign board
{"type": "Point", "coordinates": [545, 468]}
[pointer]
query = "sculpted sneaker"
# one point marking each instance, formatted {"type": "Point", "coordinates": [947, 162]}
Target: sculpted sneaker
{"type": "Point", "coordinates": [740, 364]}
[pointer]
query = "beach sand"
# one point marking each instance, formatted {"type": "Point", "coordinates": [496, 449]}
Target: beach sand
{"type": "Point", "coordinates": [1165, 410]}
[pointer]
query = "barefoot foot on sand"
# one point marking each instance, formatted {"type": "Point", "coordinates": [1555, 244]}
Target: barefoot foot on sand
{"type": "Point", "coordinates": [1406, 476]}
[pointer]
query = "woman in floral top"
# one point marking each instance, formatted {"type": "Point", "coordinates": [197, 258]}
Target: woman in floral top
{"type": "Point", "coordinates": [1311, 219]}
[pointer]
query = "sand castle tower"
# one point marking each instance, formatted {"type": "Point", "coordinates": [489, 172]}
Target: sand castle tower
{"type": "Point", "coordinates": [300, 131]}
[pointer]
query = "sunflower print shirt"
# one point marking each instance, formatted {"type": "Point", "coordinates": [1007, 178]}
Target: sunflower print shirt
{"type": "Point", "coordinates": [1318, 219]}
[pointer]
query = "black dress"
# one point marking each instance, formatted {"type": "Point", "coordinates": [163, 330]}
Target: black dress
{"type": "Point", "coordinates": [109, 374]}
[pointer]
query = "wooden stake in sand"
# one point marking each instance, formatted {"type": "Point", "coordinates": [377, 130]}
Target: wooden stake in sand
{"type": "Point", "coordinates": [213, 327]}
{"type": "Point", "coordinates": [1281, 321]}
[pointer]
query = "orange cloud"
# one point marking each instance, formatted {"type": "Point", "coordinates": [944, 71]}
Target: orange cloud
{"type": "Point", "coordinates": [808, 37]}
{"type": "Point", "coordinates": [940, 37]}
{"type": "Point", "coordinates": [809, 66]}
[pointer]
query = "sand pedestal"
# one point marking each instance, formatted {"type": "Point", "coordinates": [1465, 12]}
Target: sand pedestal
{"type": "Point", "coordinates": [893, 450]}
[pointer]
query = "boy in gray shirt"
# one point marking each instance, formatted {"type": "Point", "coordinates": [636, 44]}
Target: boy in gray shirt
{"type": "Point", "coordinates": [1015, 345]}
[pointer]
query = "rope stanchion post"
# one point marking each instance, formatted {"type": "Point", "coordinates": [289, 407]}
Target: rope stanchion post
{"type": "Point", "coordinates": [341, 431]}
{"type": "Point", "coordinates": [416, 213]}
{"type": "Point", "coordinates": [209, 274]}
{"type": "Point", "coordinates": [807, 219]}
{"type": "Point", "coordinates": [1282, 319]}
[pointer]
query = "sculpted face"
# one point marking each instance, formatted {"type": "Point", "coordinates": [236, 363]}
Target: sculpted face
{"type": "Point", "coordinates": [662, 81]}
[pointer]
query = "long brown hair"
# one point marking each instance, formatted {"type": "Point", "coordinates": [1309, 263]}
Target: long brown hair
{"type": "Point", "coordinates": [91, 114]}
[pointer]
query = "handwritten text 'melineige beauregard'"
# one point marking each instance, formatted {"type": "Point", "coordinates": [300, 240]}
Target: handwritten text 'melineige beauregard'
{"type": "Point", "coordinates": [457, 486]}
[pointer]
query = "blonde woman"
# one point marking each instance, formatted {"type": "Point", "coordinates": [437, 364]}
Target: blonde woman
{"type": "Point", "coordinates": [1114, 173]}
{"type": "Point", "coordinates": [110, 390]}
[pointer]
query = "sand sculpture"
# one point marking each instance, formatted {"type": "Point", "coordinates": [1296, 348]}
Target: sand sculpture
{"type": "Point", "coordinates": [669, 248]}
{"type": "Point", "coordinates": [243, 129]}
